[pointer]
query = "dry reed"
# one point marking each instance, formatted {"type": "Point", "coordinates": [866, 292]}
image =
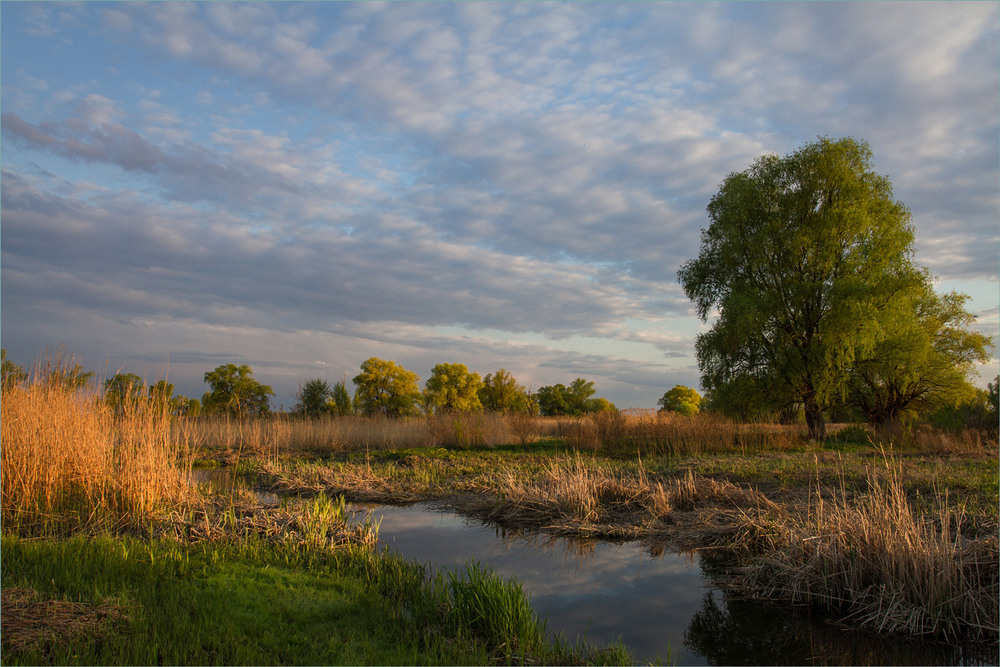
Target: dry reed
{"type": "Point", "coordinates": [578, 496]}
{"type": "Point", "coordinates": [68, 460]}
{"type": "Point", "coordinates": [647, 433]}
{"type": "Point", "coordinates": [28, 622]}
{"type": "Point", "coordinates": [886, 568]}
{"type": "Point", "coordinates": [266, 437]}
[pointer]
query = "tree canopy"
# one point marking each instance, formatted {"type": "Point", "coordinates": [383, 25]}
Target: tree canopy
{"type": "Point", "coordinates": [10, 373]}
{"type": "Point", "coordinates": [234, 391]}
{"type": "Point", "coordinates": [681, 399]}
{"type": "Point", "coordinates": [313, 398]}
{"type": "Point", "coordinates": [923, 361]}
{"type": "Point", "coordinates": [123, 392]}
{"type": "Point", "coordinates": [502, 393]}
{"type": "Point", "coordinates": [801, 254]}
{"type": "Point", "coordinates": [452, 388]}
{"type": "Point", "coordinates": [384, 388]}
{"type": "Point", "coordinates": [558, 399]}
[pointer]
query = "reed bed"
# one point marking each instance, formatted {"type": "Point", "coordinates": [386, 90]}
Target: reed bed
{"type": "Point", "coordinates": [319, 521]}
{"type": "Point", "coordinates": [649, 433]}
{"type": "Point", "coordinates": [267, 437]}
{"type": "Point", "coordinates": [881, 565]}
{"type": "Point", "coordinates": [70, 461]}
{"type": "Point", "coordinates": [580, 497]}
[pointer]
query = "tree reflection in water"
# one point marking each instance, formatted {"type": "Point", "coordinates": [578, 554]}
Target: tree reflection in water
{"type": "Point", "coordinates": [744, 632]}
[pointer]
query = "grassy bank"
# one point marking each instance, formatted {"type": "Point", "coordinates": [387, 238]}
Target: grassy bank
{"type": "Point", "coordinates": [254, 602]}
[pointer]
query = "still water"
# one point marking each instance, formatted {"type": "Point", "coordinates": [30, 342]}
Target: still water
{"type": "Point", "coordinates": [663, 607]}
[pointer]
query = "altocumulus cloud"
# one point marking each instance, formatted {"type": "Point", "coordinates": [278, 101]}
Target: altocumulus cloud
{"type": "Point", "coordinates": [299, 186]}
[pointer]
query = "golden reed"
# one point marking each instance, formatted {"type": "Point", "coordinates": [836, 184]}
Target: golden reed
{"type": "Point", "coordinates": [68, 461]}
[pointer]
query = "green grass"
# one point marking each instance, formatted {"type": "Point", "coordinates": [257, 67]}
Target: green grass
{"type": "Point", "coordinates": [257, 603]}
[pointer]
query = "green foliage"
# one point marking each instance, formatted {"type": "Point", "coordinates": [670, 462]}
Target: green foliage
{"type": "Point", "coordinates": [924, 361]}
{"type": "Point", "coordinates": [123, 392]}
{"type": "Point", "coordinates": [993, 398]}
{"type": "Point", "coordinates": [161, 395]}
{"type": "Point", "coordinates": [975, 411]}
{"type": "Point", "coordinates": [681, 399]}
{"type": "Point", "coordinates": [576, 399]}
{"type": "Point", "coordinates": [187, 407]}
{"type": "Point", "coordinates": [745, 398]}
{"type": "Point", "coordinates": [61, 369]}
{"type": "Point", "coordinates": [340, 400]}
{"type": "Point", "coordinates": [384, 388]}
{"type": "Point", "coordinates": [502, 393]}
{"type": "Point", "coordinates": [234, 391]}
{"type": "Point", "coordinates": [801, 255]}
{"type": "Point", "coordinates": [452, 388]}
{"type": "Point", "coordinates": [313, 398]}
{"type": "Point", "coordinates": [10, 373]}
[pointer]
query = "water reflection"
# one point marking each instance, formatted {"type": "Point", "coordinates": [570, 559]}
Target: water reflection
{"type": "Point", "coordinates": [730, 631]}
{"type": "Point", "coordinates": [662, 605]}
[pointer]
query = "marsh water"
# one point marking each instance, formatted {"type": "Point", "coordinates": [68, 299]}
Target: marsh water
{"type": "Point", "coordinates": [663, 606]}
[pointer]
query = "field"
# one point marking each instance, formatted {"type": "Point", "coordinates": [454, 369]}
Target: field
{"type": "Point", "coordinates": [106, 539]}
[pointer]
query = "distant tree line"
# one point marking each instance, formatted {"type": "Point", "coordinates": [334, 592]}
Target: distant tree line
{"type": "Point", "coordinates": [381, 388]}
{"type": "Point", "coordinates": [385, 388]}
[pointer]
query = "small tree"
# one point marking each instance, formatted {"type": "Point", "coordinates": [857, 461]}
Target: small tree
{"type": "Point", "coordinates": [575, 399]}
{"type": "Point", "coordinates": [681, 399]}
{"type": "Point", "coordinates": [313, 398]}
{"type": "Point", "coordinates": [161, 396]}
{"type": "Point", "coordinates": [187, 407]}
{"type": "Point", "coordinates": [993, 398]}
{"type": "Point", "coordinates": [234, 391]}
{"type": "Point", "coordinates": [340, 401]}
{"type": "Point", "coordinates": [387, 389]}
{"type": "Point", "coordinates": [922, 363]}
{"type": "Point", "coordinates": [452, 388]}
{"type": "Point", "coordinates": [501, 393]}
{"type": "Point", "coordinates": [123, 392]}
{"type": "Point", "coordinates": [10, 373]}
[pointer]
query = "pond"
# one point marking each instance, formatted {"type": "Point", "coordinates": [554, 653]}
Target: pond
{"type": "Point", "coordinates": [664, 607]}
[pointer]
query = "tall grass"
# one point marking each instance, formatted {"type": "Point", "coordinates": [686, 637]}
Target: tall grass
{"type": "Point", "coordinates": [648, 433]}
{"type": "Point", "coordinates": [68, 461]}
{"type": "Point", "coordinates": [267, 436]}
{"type": "Point", "coordinates": [884, 566]}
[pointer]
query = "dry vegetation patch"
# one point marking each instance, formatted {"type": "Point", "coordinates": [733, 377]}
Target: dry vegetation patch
{"type": "Point", "coordinates": [69, 459]}
{"type": "Point", "coordinates": [28, 622]}
{"type": "Point", "coordinates": [875, 560]}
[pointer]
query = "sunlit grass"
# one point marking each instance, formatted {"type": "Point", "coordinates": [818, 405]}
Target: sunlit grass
{"type": "Point", "coordinates": [256, 602]}
{"type": "Point", "coordinates": [69, 461]}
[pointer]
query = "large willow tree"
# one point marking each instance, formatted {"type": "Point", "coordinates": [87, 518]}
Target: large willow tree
{"type": "Point", "coordinates": [801, 255]}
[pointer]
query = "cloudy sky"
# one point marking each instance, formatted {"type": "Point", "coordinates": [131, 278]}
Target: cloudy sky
{"type": "Point", "coordinates": [301, 186]}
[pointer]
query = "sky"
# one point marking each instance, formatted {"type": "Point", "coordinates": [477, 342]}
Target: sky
{"type": "Point", "coordinates": [302, 186]}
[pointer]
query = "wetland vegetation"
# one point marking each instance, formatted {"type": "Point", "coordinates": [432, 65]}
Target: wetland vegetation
{"type": "Point", "coordinates": [107, 538]}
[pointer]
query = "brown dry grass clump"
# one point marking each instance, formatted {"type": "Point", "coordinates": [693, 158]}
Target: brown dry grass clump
{"type": "Point", "coordinates": [318, 521]}
{"type": "Point", "coordinates": [69, 460]}
{"type": "Point", "coordinates": [880, 564]}
{"type": "Point", "coordinates": [580, 497]}
{"type": "Point", "coordinates": [27, 622]}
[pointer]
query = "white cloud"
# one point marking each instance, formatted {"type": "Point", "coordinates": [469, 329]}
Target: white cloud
{"type": "Point", "coordinates": [528, 168]}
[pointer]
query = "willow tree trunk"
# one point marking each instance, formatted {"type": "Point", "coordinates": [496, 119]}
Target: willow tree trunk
{"type": "Point", "coordinates": [815, 421]}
